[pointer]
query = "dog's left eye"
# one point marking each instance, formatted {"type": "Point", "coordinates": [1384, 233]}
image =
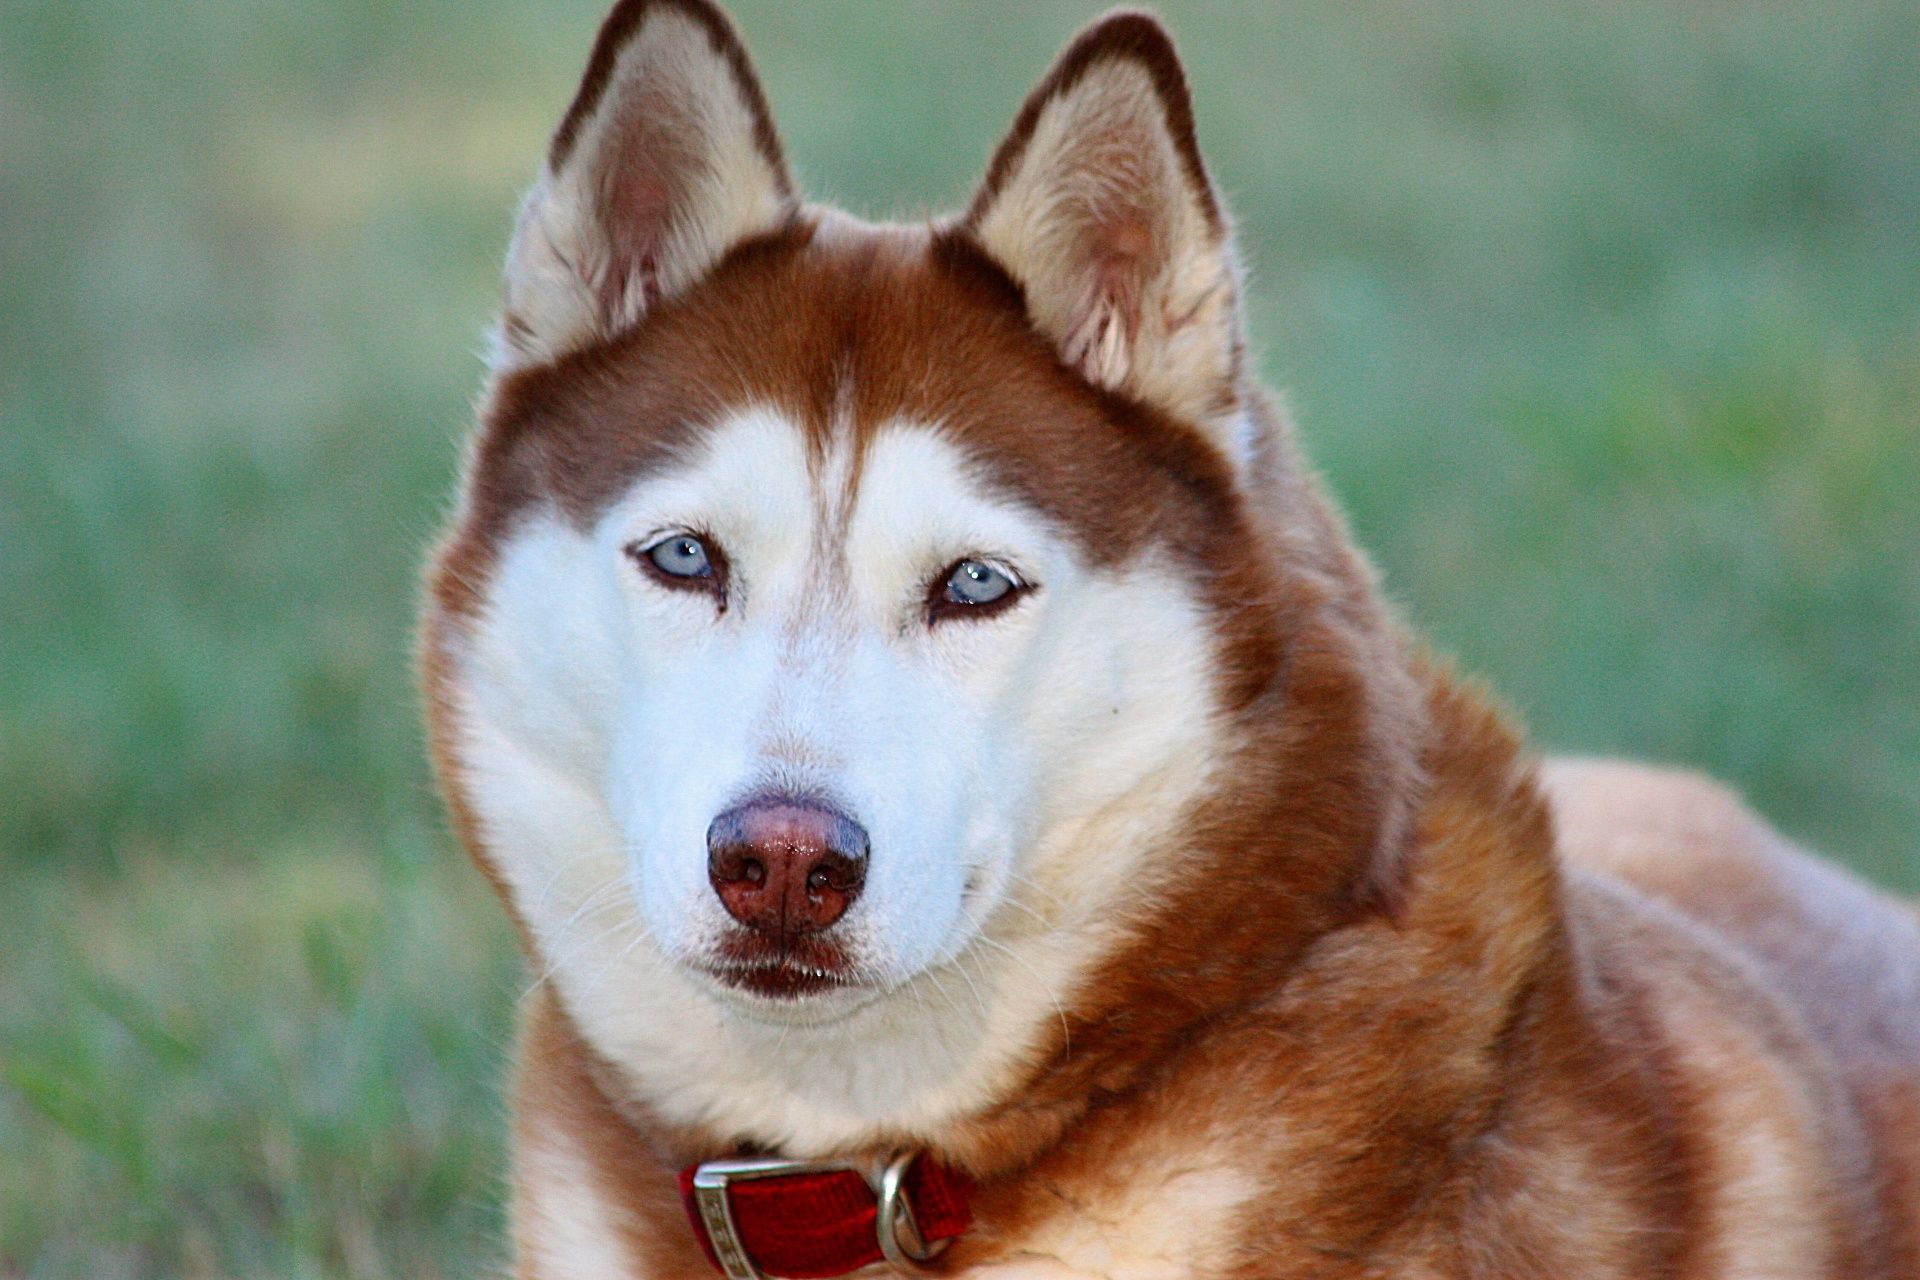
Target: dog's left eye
{"type": "Point", "coordinates": [977, 582]}
{"type": "Point", "coordinates": [681, 556]}
{"type": "Point", "coordinates": [973, 587]}
{"type": "Point", "coordinates": [685, 562]}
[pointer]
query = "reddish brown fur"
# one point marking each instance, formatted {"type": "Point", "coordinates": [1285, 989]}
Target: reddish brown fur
{"type": "Point", "coordinates": [1435, 1049]}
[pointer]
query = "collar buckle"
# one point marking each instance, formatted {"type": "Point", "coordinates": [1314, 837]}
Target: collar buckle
{"type": "Point", "coordinates": [899, 1236]}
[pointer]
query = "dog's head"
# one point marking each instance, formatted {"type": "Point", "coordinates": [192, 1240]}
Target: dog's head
{"type": "Point", "coordinates": [831, 603]}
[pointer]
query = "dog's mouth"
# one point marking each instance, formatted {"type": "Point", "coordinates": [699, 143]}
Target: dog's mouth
{"type": "Point", "coordinates": [800, 970]}
{"type": "Point", "coordinates": [782, 980]}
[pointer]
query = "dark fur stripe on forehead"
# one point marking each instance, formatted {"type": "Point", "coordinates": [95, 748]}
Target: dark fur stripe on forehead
{"type": "Point", "coordinates": [847, 329]}
{"type": "Point", "coordinates": [620, 26]}
{"type": "Point", "coordinates": [1126, 35]}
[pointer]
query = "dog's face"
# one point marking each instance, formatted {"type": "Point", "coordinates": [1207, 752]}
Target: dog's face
{"type": "Point", "coordinates": [821, 685]}
{"type": "Point", "coordinates": [833, 603]}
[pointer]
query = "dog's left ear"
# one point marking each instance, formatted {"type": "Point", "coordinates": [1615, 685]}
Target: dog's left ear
{"type": "Point", "coordinates": [1099, 206]}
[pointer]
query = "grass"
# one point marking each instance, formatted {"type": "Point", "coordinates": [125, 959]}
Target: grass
{"type": "Point", "coordinates": [283, 1069]}
{"type": "Point", "coordinates": [1603, 320]}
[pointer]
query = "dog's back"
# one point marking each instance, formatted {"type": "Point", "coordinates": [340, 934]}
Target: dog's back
{"type": "Point", "coordinates": [1805, 956]}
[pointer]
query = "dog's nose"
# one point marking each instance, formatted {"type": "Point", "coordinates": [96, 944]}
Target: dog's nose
{"type": "Point", "coordinates": [785, 866]}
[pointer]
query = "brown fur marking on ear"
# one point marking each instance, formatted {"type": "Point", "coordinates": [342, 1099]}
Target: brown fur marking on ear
{"type": "Point", "coordinates": [1099, 205]}
{"type": "Point", "coordinates": [619, 27]}
{"type": "Point", "coordinates": [1124, 35]}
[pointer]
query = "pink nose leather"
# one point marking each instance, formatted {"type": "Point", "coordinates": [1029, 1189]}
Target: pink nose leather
{"type": "Point", "coordinates": [785, 867]}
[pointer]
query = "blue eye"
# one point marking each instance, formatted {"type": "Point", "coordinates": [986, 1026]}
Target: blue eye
{"type": "Point", "coordinates": [685, 562]}
{"type": "Point", "coordinates": [975, 582]}
{"type": "Point", "coordinates": [681, 556]}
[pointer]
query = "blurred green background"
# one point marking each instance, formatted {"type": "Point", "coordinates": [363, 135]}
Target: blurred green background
{"type": "Point", "coordinates": [1603, 319]}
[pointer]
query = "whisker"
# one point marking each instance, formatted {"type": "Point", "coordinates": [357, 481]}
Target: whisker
{"type": "Point", "coordinates": [978, 999]}
{"type": "Point", "coordinates": [1066, 1029]}
{"type": "Point", "coordinates": [613, 962]}
{"type": "Point", "coordinates": [581, 919]}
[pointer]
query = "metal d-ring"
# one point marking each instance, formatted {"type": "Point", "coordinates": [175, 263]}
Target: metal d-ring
{"type": "Point", "coordinates": [900, 1238]}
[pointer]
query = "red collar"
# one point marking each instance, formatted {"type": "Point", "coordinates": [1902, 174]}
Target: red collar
{"type": "Point", "coordinates": [812, 1219]}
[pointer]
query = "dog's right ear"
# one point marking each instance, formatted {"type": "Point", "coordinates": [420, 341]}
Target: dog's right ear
{"type": "Point", "coordinates": [1100, 208]}
{"type": "Point", "coordinates": [666, 159]}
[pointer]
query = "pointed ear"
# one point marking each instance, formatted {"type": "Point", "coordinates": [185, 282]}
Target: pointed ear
{"type": "Point", "coordinates": [666, 159]}
{"type": "Point", "coordinates": [1099, 206]}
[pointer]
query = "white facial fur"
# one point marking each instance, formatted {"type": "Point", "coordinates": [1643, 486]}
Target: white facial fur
{"type": "Point", "coordinates": [1015, 773]}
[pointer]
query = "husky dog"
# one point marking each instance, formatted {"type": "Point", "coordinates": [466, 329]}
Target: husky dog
{"type": "Point", "coordinates": [970, 810]}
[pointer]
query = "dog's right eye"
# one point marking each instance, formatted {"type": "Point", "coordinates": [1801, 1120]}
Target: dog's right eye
{"type": "Point", "coordinates": [681, 556]}
{"type": "Point", "coordinates": [685, 562]}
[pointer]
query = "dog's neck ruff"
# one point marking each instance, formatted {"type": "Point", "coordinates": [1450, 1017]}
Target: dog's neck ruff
{"type": "Point", "coordinates": [813, 1219]}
